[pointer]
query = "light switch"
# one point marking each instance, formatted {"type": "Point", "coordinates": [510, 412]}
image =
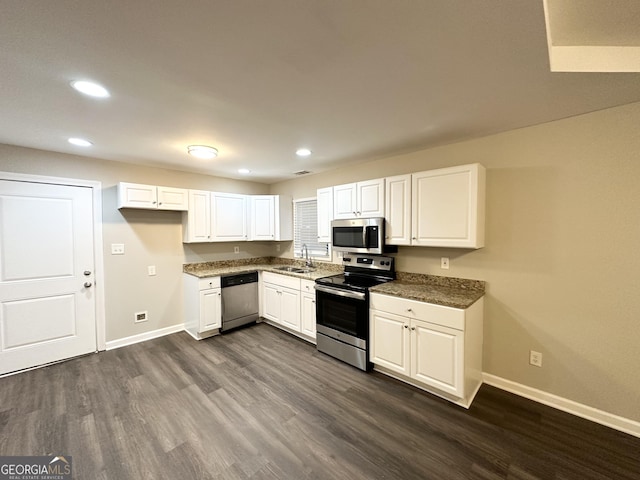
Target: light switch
{"type": "Point", "coordinates": [152, 270]}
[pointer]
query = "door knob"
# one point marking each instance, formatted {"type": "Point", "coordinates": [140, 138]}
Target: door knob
{"type": "Point", "coordinates": [87, 273]}
{"type": "Point", "coordinates": [87, 284]}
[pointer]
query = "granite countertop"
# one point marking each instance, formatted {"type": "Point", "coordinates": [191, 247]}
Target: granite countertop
{"type": "Point", "coordinates": [262, 264]}
{"type": "Point", "coordinates": [446, 291]}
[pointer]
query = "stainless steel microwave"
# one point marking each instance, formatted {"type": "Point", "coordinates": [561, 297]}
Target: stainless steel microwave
{"type": "Point", "coordinates": [358, 235]}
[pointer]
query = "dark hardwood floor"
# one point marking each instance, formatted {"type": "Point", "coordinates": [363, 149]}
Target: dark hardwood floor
{"type": "Point", "coordinates": [259, 404]}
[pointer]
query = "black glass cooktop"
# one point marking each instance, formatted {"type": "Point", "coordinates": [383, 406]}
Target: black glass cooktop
{"type": "Point", "coordinates": [350, 282]}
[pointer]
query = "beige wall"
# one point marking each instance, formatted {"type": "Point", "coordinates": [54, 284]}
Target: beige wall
{"type": "Point", "coordinates": [150, 237]}
{"type": "Point", "coordinates": [562, 261]}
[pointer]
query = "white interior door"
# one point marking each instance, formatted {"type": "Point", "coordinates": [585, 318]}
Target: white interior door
{"type": "Point", "coordinates": [47, 299]}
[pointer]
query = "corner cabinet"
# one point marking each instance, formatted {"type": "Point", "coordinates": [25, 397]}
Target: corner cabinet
{"type": "Point", "coordinates": [152, 197]}
{"type": "Point", "coordinates": [270, 217]}
{"type": "Point", "coordinates": [433, 347]}
{"type": "Point", "coordinates": [202, 305]}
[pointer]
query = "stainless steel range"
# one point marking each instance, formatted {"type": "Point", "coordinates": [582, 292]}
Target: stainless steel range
{"type": "Point", "coordinates": [342, 307]}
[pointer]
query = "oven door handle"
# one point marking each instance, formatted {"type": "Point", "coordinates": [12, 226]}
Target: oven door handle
{"type": "Point", "coordinates": [341, 293]}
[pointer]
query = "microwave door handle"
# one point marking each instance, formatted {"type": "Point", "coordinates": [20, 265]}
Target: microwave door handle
{"type": "Point", "coordinates": [365, 237]}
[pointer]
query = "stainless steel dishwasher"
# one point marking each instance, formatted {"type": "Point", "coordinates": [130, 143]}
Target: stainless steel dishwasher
{"type": "Point", "coordinates": [239, 300]}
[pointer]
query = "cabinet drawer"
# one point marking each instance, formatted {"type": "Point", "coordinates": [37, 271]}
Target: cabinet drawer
{"type": "Point", "coordinates": [307, 286]}
{"type": "Point", "coordinates": [281, 280]}
{"type": "Point", "coordinates": [438, 314]}
{"type": "Point", "coordinates": [208, 282]}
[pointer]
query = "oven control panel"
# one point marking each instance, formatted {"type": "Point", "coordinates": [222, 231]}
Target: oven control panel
{"type": "Point", "coordinates": [374, 262]}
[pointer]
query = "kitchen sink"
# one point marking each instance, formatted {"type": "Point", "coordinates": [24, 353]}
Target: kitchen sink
{"type": "Point", "coordinates": [294, 269]}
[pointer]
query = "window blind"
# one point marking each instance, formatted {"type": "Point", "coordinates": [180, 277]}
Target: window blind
{"type": "Point", "coordinates": [305, 229]}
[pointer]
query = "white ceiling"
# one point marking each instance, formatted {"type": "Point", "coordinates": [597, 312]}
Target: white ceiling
{"type": "Point", "coordinates": [352, 80]}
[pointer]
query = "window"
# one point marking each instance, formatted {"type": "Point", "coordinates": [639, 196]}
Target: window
{"type": "Point", "coordinates": [305, 229]}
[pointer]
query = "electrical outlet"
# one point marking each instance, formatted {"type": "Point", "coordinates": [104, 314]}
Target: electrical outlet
{"type": "Point", "coordinates": [152, 270]}
{"type": "Point", "coordinates": [535, 358]}
{"type": "Point", "coordinates": [236, 249]}
{"type": "Point", "coordinates": [277, 247]}
{"type": "Point", "coordinates": [117, 249]}
{"type": "Point", "coordinates": [444, 263]}
{"type": "Point", "coordinates": [139, 317]}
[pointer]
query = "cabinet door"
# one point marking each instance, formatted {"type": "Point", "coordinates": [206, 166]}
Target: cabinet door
{"type": "Point", "coordinates": [398, 210]}
{"type": "Point", "coordinates": [210, 309]}
{"type": "Point", "coordinates": [390, 341]}
{"type": "Point", "coordinates": [271, 302]}
{"type": "Point", "coordinates": [325, 213]}
{"type": "Point", "coordinates": [228, 217]}
{"type": "Point", "coordinates": [197, 221]}
{"type": "Point", "coordinates": [345, 201]}
{"type": "Point", "coordinates": [308, 314]}
{"type": "Point", "coordinates": [170, 198]}
{"type": "Point", "coordinates": [448, 207]}
{"type": "Point", "coordinates": [136, 195]}
{"type": "Point", "coordinates": [262, 217]}
{"type": "Point", "coordinates": [370, 198]}
{"type": "Point", "coordinates": [290, 308]}
{"type": "Point", "coordinates": [438, 356]}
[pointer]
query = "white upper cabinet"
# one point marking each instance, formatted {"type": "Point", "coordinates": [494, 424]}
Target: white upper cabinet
{"type": "Point", "coordinates": [152, 197]}
{"type": "Point", "coordinates": [362, 199]}
{"type": "Point", "coordinates": [262, 217]}
{"type": "Point", "coordinates": [228, 217]}
{"type": "Point", "coordinates": [448, 207]}
{"type": "Point", "coordinates": [324, 200]}
{"type": "Point", "coordinates": [270, 218]}
{"type": "Point", "coordinates": [398, 210]}
{"type": "Point", "coordinates": [196, 223]}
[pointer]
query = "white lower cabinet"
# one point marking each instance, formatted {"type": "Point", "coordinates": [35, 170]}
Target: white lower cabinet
{"type": "Point", "coordinates": [308, 308]}
{"type": "Point", "coordinates": [202, 305]}
{"type": "Point", "coordinates": [434, 347]}
{"type": "Point", "coordinates": [281, 300]}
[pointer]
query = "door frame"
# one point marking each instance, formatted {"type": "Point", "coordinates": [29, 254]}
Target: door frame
{"type": "Point", "coordinates": [98, 252]}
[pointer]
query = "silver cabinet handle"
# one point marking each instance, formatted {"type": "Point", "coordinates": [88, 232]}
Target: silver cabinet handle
{"type": "Point", "coordinates": [409, 310]}
{"type": "Point", "coordinates": [413, 328]}
{"type": "Point", "coordinates": [406, 326]}
{"type": "Point", "coordinates": [87, 284]}
{"type": "Point", "coordinates": [87, 273]}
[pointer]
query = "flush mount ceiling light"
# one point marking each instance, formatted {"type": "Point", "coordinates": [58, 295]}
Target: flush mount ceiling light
{"type": "Point", "coordinates": [90, 88]}
{"type": "Point", "coordinates": [79, 142]}
{"type": "Point", "coordinates": [303, 152]}
{"type": "Point", "coordinates": [244, 171]}
{"type": "Point", "coordinates": [202, 151]}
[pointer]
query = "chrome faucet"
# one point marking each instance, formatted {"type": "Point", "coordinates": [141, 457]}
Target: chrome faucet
{"type": "Point", "coordinates": [304, 250]}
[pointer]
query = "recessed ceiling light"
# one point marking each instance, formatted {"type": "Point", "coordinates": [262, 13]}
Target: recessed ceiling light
{"type": "Point", "coordinates": [303, 152]}
{"type": "Point", "coordinates": [80, 142]}
{"type": "Point", "coordinates": [90, 88]}
{"type": "Point", "coordinates": [202, 151]}
{"type": "Point", "coordinates": [244, 171]}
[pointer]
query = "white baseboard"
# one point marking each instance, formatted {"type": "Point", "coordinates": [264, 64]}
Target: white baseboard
{"type": "Point", "coordinates": [143, 337]}
{"type": "Point", "coordinates": [593, 414]}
